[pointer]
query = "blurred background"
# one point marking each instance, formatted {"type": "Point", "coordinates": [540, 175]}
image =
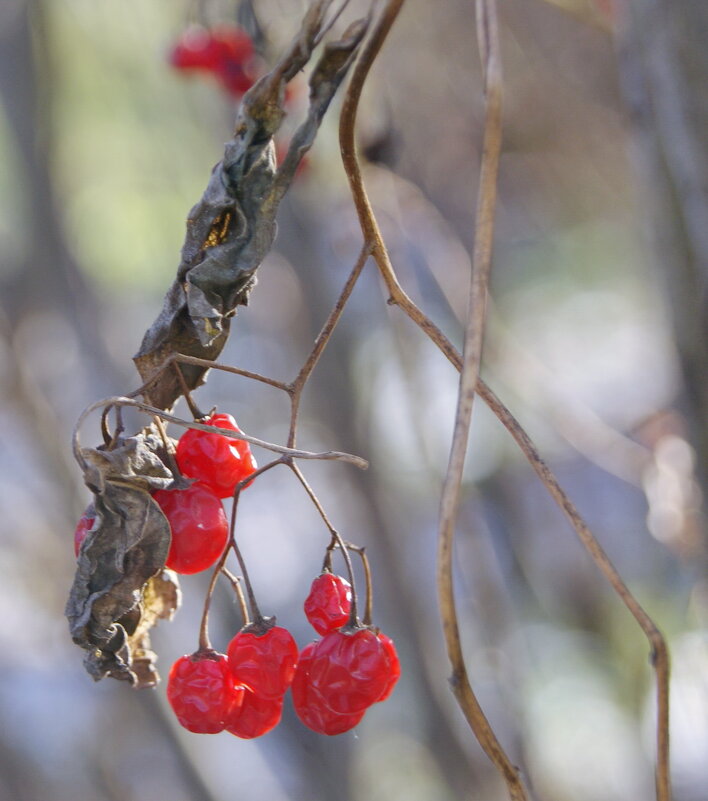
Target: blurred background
{"type": "Point", "coordinates": [594, 341]}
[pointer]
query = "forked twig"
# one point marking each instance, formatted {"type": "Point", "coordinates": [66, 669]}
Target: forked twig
{"type": "Point", "coordinates": [470, 382]}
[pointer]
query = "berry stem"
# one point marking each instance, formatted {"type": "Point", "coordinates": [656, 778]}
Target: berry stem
{"type": "Point", "coordinates": [204, 642]}
{"type": "Point", "coordinates": [238, 589]}
{"type": "Point", "coordinates": [336, 536]}
{"type": "Point", "coordinates": [295, 389]}
{"type": "Point", "coordinates": [197, 414]}
{"type": "Point", "coordinates": [257, 616]}
{"type": "Point", "coordinates": [169, 450]}
{"type": "Point", "coordinates": [369, 606]}
{"type": "Point", "coordinates": [361, 550]}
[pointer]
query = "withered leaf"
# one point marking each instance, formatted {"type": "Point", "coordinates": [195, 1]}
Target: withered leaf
{"type": "Point", "coordinates": [232, 227]}
{"type": "Point", "coordinates": [108, 610]}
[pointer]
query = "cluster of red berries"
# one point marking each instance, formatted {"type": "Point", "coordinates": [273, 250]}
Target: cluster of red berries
{"type": "Point", "coordinates": [352, 667]}
{"type": "Point", "coordinates": [241, 691]}
{"type": "Point", "coordinates": [225, 52]}
{"type": "Point", "coordinates": [333, 680]}
{"type": "Point", "coordinates": [196, 516]}
{"type": "Point", "coordinates": [200, 530]}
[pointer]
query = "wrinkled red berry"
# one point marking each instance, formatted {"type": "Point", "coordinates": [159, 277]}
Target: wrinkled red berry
{"type": "Point", "coordinates": [309, 704]}
{"type": "Point", "coordinates": [394, 669]}
{"type": "Point", "coordinates": [349, 669]}
{"type": "Point", "coordinates": [256, 716]}
{"type": "Point", "coordinates": [217, 462]}
{"type": "Point", "coordinates": [266, 662]}
{"type": "Point", "coordinates": [199, 527]}
{"type": "Point", "coordinates": [201, 692]}
{"type": "Point", "coordinates": [83, 527]}
{"type": "Point", "coordinates": [328, 604]}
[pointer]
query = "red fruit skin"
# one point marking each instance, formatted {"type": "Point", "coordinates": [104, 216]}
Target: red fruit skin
{"type": "Point", "coordinates": [255, 717]}
{"type": "Point", "coordinates": [349, 669]}
{"type": "Point", "coordinates": [200, 530]}
{"type": "Point", "coordinates": [217, 462]}
{"type": "Point", "coordinates": [196, 49]}
{"type": "Point", "coordinates": [329, 602]}
{"type": "Point", "coordinates": [394, 670]}
{"type": "Point", "coordinates": [265, 663]}
{"type": "Point", "coordinates": [309, 704]}
{"type": "Point", "coordinates": [226, 52]}
{"type": "Point", "coordinates": [201, 692]}
{"type": "Point", "coordinates": [83, 527]}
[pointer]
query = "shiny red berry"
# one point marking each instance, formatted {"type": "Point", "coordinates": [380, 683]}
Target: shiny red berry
{"type": "Point", "coordinates": [255, 716]}
{"type": "Point", "coordinates": [264, 662]}
{"type": "Point", "coordinates": [201, 692]}
{"type": "Point", "coordinates": [199, 527]}
{"type": "Point", "coordinates": [394, 669]}
{"type": "Point", "coordinates": [309, 704]}
{"type": "Point", "coordinates": [328, 604]}
{"type": "Point", "coordinates": [83, 527]}
{"type": "Point", "coordinates": [350, 669]}
{"type": "Point", "coordinates": [217, 462]}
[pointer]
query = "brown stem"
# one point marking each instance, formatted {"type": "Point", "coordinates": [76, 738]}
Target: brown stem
{"type": "Point", "coordinates": [193, 408]}
{"type": "Point", "coordinates": [257, 616]}
{"type": "Point", "coordinates": [371, 232]}
{"type": "Point", "coordinates": [238, 589]}
{"type": "Point", "coordinates": [353, 614]}
{"type": "Point", "coordinates": [204, 642]}
{"type": "Point", "coordinates": [323, 338]}
{"type": "Point", "coordinates": [369, 607]}
{"type": "Point", "coordinates": [357, 461]}
{"type": "Point", "coordinates": [180, 358]}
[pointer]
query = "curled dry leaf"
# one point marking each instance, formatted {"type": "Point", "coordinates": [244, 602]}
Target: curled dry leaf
{"type": "Point", "coordinates": [117, 595]}
{"type": "Point", "coordinates": [232, 227]}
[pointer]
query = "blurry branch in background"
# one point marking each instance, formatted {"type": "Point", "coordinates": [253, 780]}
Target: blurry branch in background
{"type": "Point", "coordinates": [597, 13]}
{"type": "Point", "coordinates": [397, 296]}
{"type": "Point", "coordinates": [663, 65]}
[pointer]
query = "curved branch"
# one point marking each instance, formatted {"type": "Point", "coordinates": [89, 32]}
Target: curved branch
{"type": "Point", "coordinates": [357, 461]}
{"type": "Point", "coordinates": [398, 297]}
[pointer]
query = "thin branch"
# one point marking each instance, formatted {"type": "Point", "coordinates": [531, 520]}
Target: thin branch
{"type": "Point", "coordinates": [398, 297]}
{"type": "Point", "coordinates": [181, 358]}
{"type": "Point", "coordinates": [238, 589]}
{"type": "Point", "coordinates": [469, 375]}
{"type": "Point", "coordinates": [321, 342]}
{"type": "Point", "coordinates": [357, 461]}
{"type": "Point", "coordinates": [336, 536]}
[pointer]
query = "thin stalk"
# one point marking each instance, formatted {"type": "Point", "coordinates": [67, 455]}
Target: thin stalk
{"type": "Point", "coordinates": [238, 589]}
{"type": "Point", "coordinates": [353, 614]}
{"type": "Point", "coordinates": [323, 338]}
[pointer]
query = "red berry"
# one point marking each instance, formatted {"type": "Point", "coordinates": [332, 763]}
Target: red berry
{"type": "Point", "coordinates": [394, 670]}
{"type": "Point", "coordinates": [266, 662]}
{"type": "Point", "coordinates": [349, 669]}
{"type": "Point", "coordinates": [83, 527]}
{"type": "Point", "coordinates": [202, 693]}
{"type": "Point", "coordinates": [256, 716]}
{"type": "Point", "coordinates": [226, 52]}
{"type": "Point", "coordinates": [328, 604]}
{"type": "Point", "coordinates": [200, 530]}
{"type": "Point", "coordinates": [309, 704]}
{"type": "Point", "coordinates": [217, 462]}
{"type": "Point", "coordinates": [236, 55]}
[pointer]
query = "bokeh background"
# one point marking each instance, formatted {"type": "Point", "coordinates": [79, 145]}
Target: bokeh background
{"type": "Point", "coordinates": [105, 148]}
